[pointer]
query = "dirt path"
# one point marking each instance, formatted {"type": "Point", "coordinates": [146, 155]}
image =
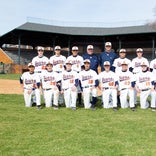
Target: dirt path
{"type": "Point", "coordinates": [10, 87]}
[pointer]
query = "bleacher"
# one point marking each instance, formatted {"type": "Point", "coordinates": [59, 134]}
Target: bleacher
{"type": "Point", "coordinates": [25, 56]}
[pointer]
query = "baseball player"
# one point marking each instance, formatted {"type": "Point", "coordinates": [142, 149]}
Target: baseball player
{"type": "Point", "coordinates": [153, 70]}
{"type": "Point", "coordinates": [126, 86]}
{"type": "Point", "coordinates": [58, 62]}
{"type": "Point", "coordinates": [145, 86]}
{"type": "Point", "coordinates": [107, 55]}
{"type": "Point", "coordinates": [94, 61]}
{"type": "Point", "coordinates": [136, 67]}
{"type": "Point", "coordinates": [40, 61]}
{"type": "Point", "coordinates": [77, 64]}
{"type": "Point", "coordinates": [136, 62]}
{"type": "Point", "coordinates": [69, 83]}
{"type": "Point", "coordinates": [30, 83]}
{"type": "Point", "coordinates": [122, 57]}
{"type": "Point", "coordinates": [89, 82]}
{"type": "Point", "coordinates": [108, 85]}
{"type": "Point", "coordinates": [49, 81]}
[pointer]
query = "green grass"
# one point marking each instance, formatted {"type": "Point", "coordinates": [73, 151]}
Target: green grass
{"type": "Point", "coordinates": [10, 76]}
{"type": "Point", "coordinates": [47, 132]}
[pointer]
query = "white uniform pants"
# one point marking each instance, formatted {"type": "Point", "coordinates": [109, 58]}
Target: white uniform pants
{"type": "Point", "coordinates": [70, 98]}
{"type": "Point", "coordinates": [123, 98]}
{"type": "Point", "coordinates": [106, 97]}
{"type": "Point", "coordinates": [87, 95]}
{"type": "Point", "coordinates": [143, 99]}
{"type": "Point", "coordinates": [28, 97]}
{"type": "Point", "coordinates": [153, 99]}
{"type": "Point", "coordinates": [49, 96]}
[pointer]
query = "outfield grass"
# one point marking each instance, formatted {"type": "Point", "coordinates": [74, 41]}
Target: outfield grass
{"type": "Point", "coordinates": [63, 132]}
{"type": "Point", "coordinates": [10, 76]}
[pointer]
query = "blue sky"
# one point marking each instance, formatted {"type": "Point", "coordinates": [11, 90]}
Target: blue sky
{"type": "Point", "coordinates": [14, 13]}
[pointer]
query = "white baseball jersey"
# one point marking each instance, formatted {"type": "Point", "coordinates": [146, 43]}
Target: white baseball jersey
{"type": "Point", "coordinates": [117, 63]}
{"type": "Point", "coordinates": [144, 79]}
{"type": "Point", "coordinates": [108, 79]}
{"type": "Point", "coordinates": [68, 79]}
{"type": "Point", "coordinates": [49, 79]}
{"type": "Point", "coordinates": [125, 79]}
{"type": "Point", "coordinates": [88, 77]}
{"type": "Point", "coordinates": [153, 66]}
{"type": "Point", "coordinates": [136, 64]}
{"type": "Point", "coordinates": [58, 62]}
{"type": "Point", "coordinates": [40, 63]}
{"type": "Point", "coordinates": [30, 80]}
{"type": "Point", "coordinates": [77, 62]}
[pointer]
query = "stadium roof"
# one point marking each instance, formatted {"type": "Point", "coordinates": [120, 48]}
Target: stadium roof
{"type": "Point", "coordinates": [91, 31]}
{"type": "Point", "coordinates": [39, 33]}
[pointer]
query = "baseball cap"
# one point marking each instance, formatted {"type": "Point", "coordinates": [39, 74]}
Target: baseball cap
{"type": "Point", "coordinates": [108, 44]}
{"type": "Point", "coordinates": [139, 50]}
{"type": "Point", "coordinates": [124, 63]}
{"type": "Point", "coordinates": [31, 64]}
{"type": "Point", "coordinates": [75, 48]}
{"type": "Point", "coordinates": [90, 47]}
{"type": "Point", "coordinates": [143, 63]}
{"type": "Point", "coordinates": [86, 60]}
{"type": "Point", "coordinates": [69, 62]}
{"type": "Point", "coordinates": [106, 63]}
{"type": "Point", "coordinates": [58, 48]}
{"type": "Point", "coordinates": [122, 50]}
{"type": "Point", "coordinates": [40, 48]}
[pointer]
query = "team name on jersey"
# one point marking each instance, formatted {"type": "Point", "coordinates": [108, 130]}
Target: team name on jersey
{"type": "Point", "coordinates": [40, 63]}
{"type": "Point", "coordinates": [58, 62]}
{"type": "Point", "coordinates": [49, 78]}
{"type": "Point", "coordinates": [67, 77]}
{"type": "Point", "coordinates": [105, 80]}
{"type": "Point", "coordinates": [124, 78]}
{"type": "Point", "coordinates": [75, 62]}
{"type": "Point", "coordinates": [86, 77]}
{"type": "Point", "coordinates": [143, 79]}
{"type": "Point", "coordinates": [29, 81]}
{"type": "Point", "coordinates": [137, 64]}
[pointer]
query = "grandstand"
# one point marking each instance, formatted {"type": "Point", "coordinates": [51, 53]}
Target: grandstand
{"type": "Point", "coordinates": [28, 36]}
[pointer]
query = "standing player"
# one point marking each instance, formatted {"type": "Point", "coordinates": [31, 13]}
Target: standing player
{"type": "Point", "coordinates": [145, 86]}
{"type": "Point", "coordinates": [58, 62]}
{"type": "Point", "coordinates": [118, 61]}
{"type": "Point", "coordinates": [92, 57]}
{"type": "Point", "coordinates": [136, 67]}
{"type": "Point", "coordinates": [30, 83]}
{"type": "Point", "coordinates": [69, 83]}
{"type": "Point", "coordinates": [40, 60]}
{"type": "Point", "coordinates": [107, 55]}
{"type": "Point", "coordinates": [77, 64]}
{"type": "Point", "coordinates": [153, 65]}
{"type": "Point", "coordinates": [108, 85]}
{"type": "Point", "coordinates": [89, 82]}
{"type": "Point", "coordinates": [126, 86]}
{"type": "Point", "coordinates": [49, 81]}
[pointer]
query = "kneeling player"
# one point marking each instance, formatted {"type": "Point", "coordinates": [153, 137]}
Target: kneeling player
{"type": "Point", "coordinates": [49, 81]}
{"type": "Point", "coordinates": [108, 85]}
{"type": "Point", "coordinates": [30, 82]}
{"type": "Point", "coordinates": [69, 83]}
